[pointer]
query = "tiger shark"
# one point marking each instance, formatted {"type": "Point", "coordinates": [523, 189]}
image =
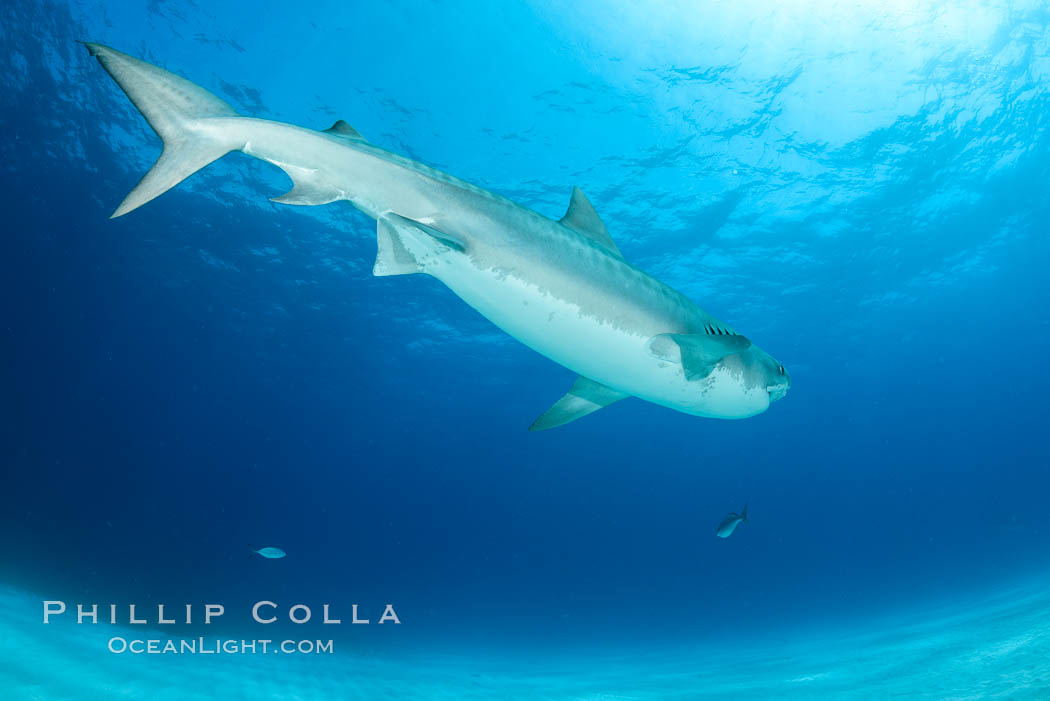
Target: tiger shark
{"type": "Point", "coordinates": [563, 288]}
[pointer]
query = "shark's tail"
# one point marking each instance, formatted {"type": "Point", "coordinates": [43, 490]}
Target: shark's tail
{"type": "Point", "coordinates": [178, 111]}
{"type": "Point", "coordinates": [743, 514]}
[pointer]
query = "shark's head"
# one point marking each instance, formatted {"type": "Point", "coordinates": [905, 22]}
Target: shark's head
{"type": "Point", "coordinates": [765, 371]}
{"type": "Point", "coordinates": [743, 384]}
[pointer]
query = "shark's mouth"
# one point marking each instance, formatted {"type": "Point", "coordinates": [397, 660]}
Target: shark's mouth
{"type": "Point", "coordinates": [777, 392]}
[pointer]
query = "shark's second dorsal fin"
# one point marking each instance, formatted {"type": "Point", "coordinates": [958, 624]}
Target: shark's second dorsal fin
{"type": "Point", "coordinates": [344, 130]}
{"type": "Point", "coordinates": [581, 218]}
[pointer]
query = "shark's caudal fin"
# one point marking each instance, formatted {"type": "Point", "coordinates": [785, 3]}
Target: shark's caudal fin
{"type": "Point", "coordinates": [743, 514]}
{"type": "Point", "coordinates": [174, 107]}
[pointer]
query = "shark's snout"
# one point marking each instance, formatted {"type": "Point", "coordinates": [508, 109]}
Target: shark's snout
{"type": "Point", "coordinates": [780, 386]}
{"type": "Point", "coordinates": [744, 384]}
{"type": "Point", "coordinates": [778, 391]}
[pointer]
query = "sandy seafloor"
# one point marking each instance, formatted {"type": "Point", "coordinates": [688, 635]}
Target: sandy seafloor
{"type": "Point", "coordinates": [992, 648]}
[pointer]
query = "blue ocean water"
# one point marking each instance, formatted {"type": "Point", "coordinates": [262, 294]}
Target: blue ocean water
{"type": "Point", "coordinates": [860, 187]}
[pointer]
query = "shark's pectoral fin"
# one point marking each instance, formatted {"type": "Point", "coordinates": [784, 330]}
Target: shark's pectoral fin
{"type": "Point", "coordinates": [344, 130]}
{"type": "Point", "coordinates": [403, 246]}
{"type": "Point", "coordinates": [697, 353]}
{"type": "Point", "coordinates": [585, 397]}
{"type": "Point", "coordinates": [582, 218]}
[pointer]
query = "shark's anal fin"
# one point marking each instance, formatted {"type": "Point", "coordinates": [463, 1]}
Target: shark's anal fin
{"type": "Point", "coordinates": [583, 219]}
{"type": "Point", "coordinates": [585, 397]}
{"type": "Point", "coordinates": [394, 250]}
{"type": "Point", "coordinates": [344, 130]}
{"type": "Point", "coordinates": [697, 353]}
{"type": "Point", "coordinates": [307, 187]}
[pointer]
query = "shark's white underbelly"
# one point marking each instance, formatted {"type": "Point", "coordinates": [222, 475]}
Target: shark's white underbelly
{"type": "Point", "coordinates": [552, 326]}
{"type": "Point", "coordinates": [595, 349]}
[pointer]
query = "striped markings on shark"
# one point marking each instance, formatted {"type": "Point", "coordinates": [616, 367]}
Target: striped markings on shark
{"type": "Point", "coordinates": [561, 287]}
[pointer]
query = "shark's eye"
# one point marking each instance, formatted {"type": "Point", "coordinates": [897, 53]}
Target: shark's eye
{"type": "Point", "coordinates": [781, 369]}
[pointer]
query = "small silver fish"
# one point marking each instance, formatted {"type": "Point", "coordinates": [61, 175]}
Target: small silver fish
{"type": "Point", "coordinates": [268, 553]}
{"type": "Point", "coordinates": [730, 522]}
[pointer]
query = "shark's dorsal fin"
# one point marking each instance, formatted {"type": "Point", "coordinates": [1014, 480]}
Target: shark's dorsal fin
{"type": "Point", "coordinates": [697, 353]}
{"type": "Point", "coordinates": [581, 218]}
{"type": "Point", "coordinates": [585, 397]}
{"type": "Point", "coordinates": [341, 128]}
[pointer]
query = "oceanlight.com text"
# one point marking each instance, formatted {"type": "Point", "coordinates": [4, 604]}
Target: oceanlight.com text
{"type": "Point", "coordinates": [218, 646]}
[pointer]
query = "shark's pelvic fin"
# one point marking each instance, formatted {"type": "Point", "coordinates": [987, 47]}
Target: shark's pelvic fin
{"type": "Point", "coordinates": [583, 219]}
{"type": "Point", "coordinates": [697, 353]}
{"type": "Point", "coordinates": [585, 397]}
{"type": "Point", "coordinates": [174, 107]}
{"type": "Point", "coordinates": [449, 239]}
{"type": "Point", "coordinates": [394, 255]}
{"type": "Point", "coordinates": [341, 128]}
